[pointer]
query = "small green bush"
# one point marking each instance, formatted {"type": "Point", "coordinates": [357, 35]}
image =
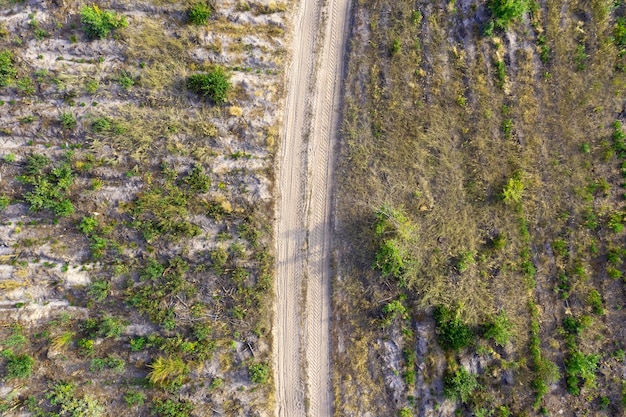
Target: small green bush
{"type": "Point", "coordinates": [68, 121]}
{"type": "Point", "coordinates": [579, 366]}
{"type": "Point", "coordinates": [7, 70]}
{"type": "Point", "coordinates": [4, 202]}
{"type": "Point", "coordinates": [134, 398]}
{"type": "Point", "coordinates": [390, 258]}
{"type": "Point", "coordinates": [459, 385]}
{"type": "Point", "coordinates": [214, 84]}
{"type": "Point", "coordinates": [99, 290]}
{"type": "Point", "coordinates": [259, 372]}
{"type": "Point", "coordinates": [595, 301]}
{"type": "Point", "coordinates": [50, 185]}
{"type": "Point", "coordinates": [504, 12]}
{"type": "Point", "coordinates": [199, 14]}
{"type": "Point", "coordinates": [97, 24]}
{"type": "Point", "coordinates": [69, 404]}
{"type": "Point", "coordinates": [88, 224]}
{"type": "Point", "coordinates": [500, 329]}
{"type": "Point", "coordinates": [452, 333]}
{"type": "Point", "coordinates": [619, 32]}
{"type": "Point", "coordinates": [513, 191]}
{"type": "Point", "coordinates": [17, 366]}
{"type": "Point", "coordinates": [170, 408]}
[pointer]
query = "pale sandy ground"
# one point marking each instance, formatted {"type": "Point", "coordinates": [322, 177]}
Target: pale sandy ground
{"type": "Point", "coordinates": [311, 123]}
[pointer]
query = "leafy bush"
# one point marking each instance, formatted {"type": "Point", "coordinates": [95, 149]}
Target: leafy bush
{"type": "Point", "coordinates": [390, 258]}
{"type": "Point", "coordinates": [199, 14]}
{"type": "Point", "coordinates": [50, 185]}
{"type": "Point", "coordinates": [17, 366]}
{"type": "Point", "coordinates": [595, 301]}
{"type": "Point", "coordinates": [619, 32]}
{"type": "Point", "coordinates": [259, 372]}
{"type": "Point", "coordinates": [99, 23]}
{"type": "Point", "coordinates": [499, 329]}
{"type": "Point", "coordinates": [170, 408]}
{"type": "Point", "coordinates": [88, 224]}
{"type": "Point", "coordinates": [68, 121]}
{"type": "Point", "coordinates": [7, 70]}
{"type": "Point", "coordinates": [452, 333]}
{"type": "Point", "coordinates": [513, 191]}
{"type": "Point", "coordinates": [134, 398]}
{"type": "Point", "coordinates": [197, 180]}
{"type": "Point", "coordinates": [505, 12]}
{"type": "Point", "coordinates": [579, 366]}
{"type": "Point", "coordinates": [214, 84]}
{"type": "Point", "coordinates": [63, 395]}
{"type": "Point", "coordinates": [99, 290]}
{"type": "Point", "coordinates": [459, 385]}
{"type": "Point", "coordinates": [4, 202]}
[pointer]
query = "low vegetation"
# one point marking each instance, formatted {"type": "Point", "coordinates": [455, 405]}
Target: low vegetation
{"type": "Point", "coordinates": [480, 210]}
{"type": "Point", "coordinates": [136, 263]}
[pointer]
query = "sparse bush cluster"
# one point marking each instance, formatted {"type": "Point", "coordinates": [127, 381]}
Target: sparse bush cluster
{"type": "Point", "coordinates": [7, 70]}
{"type": "Point", "coordinates": [50, 185]}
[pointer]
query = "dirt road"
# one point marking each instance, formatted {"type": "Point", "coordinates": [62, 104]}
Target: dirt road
{"type": "Point", "coordinates": [301, 327]}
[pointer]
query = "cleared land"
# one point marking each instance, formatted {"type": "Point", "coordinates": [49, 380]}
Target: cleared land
{"type": "Point", "coordinates": [137, 143]}
{"type": "Point", "coordinates": [304, 224]}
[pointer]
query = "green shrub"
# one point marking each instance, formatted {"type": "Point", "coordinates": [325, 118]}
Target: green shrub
{"type": "Point", "coordinates": [465, 260]}
{"type": "Point", "coordinates": [26, 86]}
{"type": "Point", "coordinates": [513, 191]}
{"type": "Point", "coordinates": [499, 329]}
{"type": "Point", "coordinates": [505, 12]}
{"type": "Point", "coordinates": [197, 180]}
{"type": "Point", "coordinates": [459, 385]}
{"type": "Point", "coordinates": [214, 84]}
{"type": "Point", "coordinates": [17, 366]}
{"type": "Point", "coordinates": [111, 327]}
{"type": "Point", "coordinates": [595, 301]}
{"type": "Point", "coordinates": [99, 23]}
{"type": "Point", "coordinates": [216, 383]}
{"type": "Point", "coordinates": [125, 80]}
{"type": "Point", "coordinates": [63, 395]}
{"type": "Point", "coordinates": [170, 408]}
{"type": "Point", "coordinates": [259, 372]}
{"type": "Point", "coordinates": [452, 333]}
{"type": "Point", "coordinates": [7, 70]}
{"type": "Point", "coordinates": [4, 202]}
{"type": "Point", "coordinates": [16, 339]}
{"type": "Point", "coordinates": [199, 14]}
{"type": "Point", "coordinates": [619, 32]}
{"type": "Point", "coordinates": [88, 224]}
{"type": "Point", "coordinates": [99, 290]}
{"type": "Point", "coordinates": [68, 121]}
{"type": "Point", "coordinates": [615, 222]}
{"type": "Point", "coordinates": [390, 258]}
{"type": "Point", "coordinates": [405, 412]}
{"type": "Point", "coordinates": [50, 185]}
{"type": "Point", "coordinates": [134, 398]}
{"type": "Point", "coordinates": [579, 366]}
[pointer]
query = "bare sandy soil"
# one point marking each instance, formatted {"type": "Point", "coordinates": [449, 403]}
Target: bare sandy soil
{"type": "Point", "coordinates": [301, 328]}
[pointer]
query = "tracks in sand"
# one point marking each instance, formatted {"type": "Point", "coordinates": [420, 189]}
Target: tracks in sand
{"type": "Point", "coordinates": [303, 230]}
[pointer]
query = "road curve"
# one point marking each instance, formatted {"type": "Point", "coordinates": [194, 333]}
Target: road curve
{"type": "Point", "coordinates": [303, 228]}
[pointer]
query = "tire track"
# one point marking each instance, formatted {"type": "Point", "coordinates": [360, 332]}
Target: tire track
{"type": "Point", "coordinates": [303, 228]}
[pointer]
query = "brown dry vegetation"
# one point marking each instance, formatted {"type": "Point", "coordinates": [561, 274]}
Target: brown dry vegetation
{"type": "Point", "coordinates": [149, 291]}
{"type": "Point", "coordinates": [434, 127]}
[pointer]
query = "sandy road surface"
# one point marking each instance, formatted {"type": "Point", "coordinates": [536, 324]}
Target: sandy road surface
{"type": "Point", "coordinates": [301, 331]}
